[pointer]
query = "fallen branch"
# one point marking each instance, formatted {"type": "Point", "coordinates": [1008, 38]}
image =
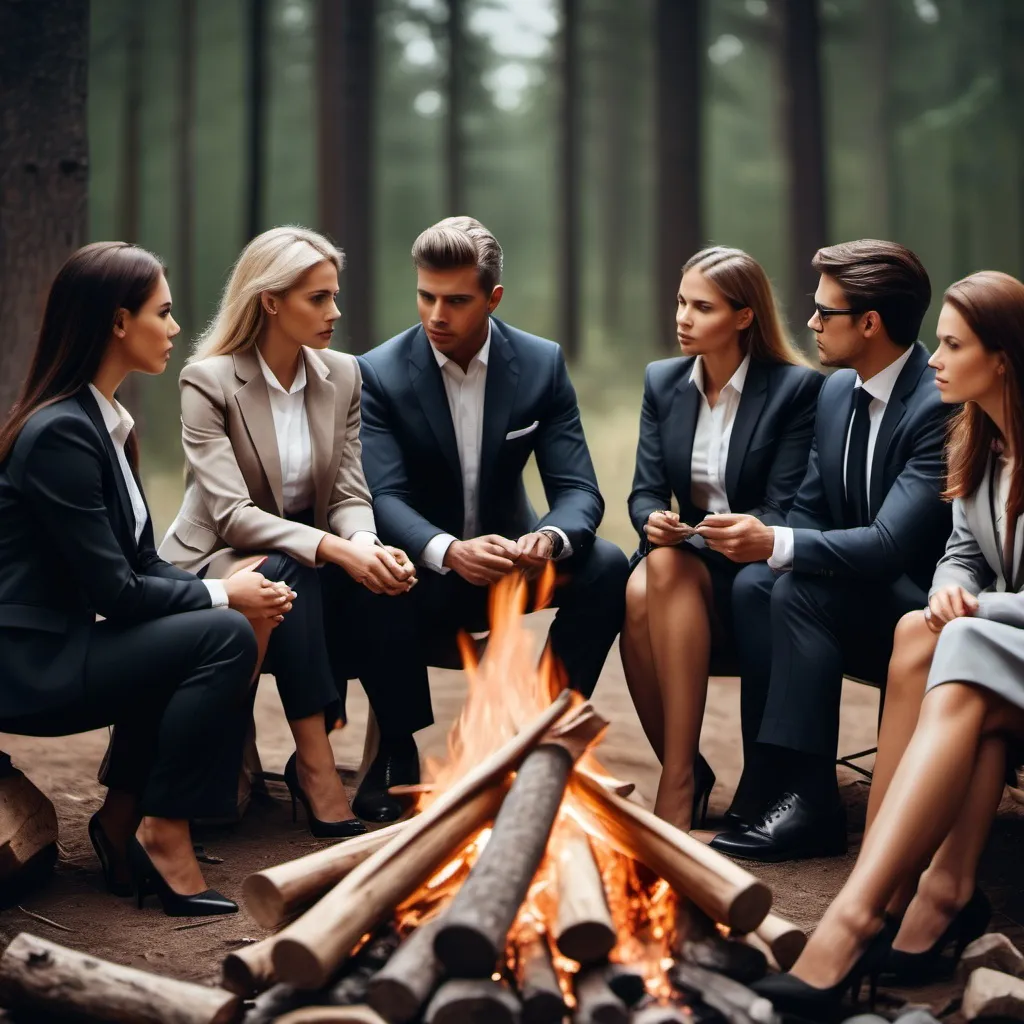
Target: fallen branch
{"type": "Point", "coordinates": [45, 920]}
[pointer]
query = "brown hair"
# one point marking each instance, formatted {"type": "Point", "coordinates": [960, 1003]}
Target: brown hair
{"type": "Point", "coordinates": [882, 276]}
{"type": "Point", "coordinates": [93, 285]}
{"type": "Point", "coordinates": [460, 242]}
{"type": "Point", "coordinates": [743, 282]}
{"type": "Point", "coordinates": [992, 303]}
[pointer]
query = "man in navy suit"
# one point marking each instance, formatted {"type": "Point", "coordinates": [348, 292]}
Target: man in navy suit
{"type": "Point", "coordinates": [452, 410]}
{"type": "Point", "coordinates": [858, 550]}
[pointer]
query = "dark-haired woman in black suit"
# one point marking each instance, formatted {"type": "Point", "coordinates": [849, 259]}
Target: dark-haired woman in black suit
{"type": "Point", "coordinates": [725, 428]}
{"type": "Point", "coordinates": [170, 663]}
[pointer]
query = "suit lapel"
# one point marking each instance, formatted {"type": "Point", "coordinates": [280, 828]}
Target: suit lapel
{"type": "Point", "coordinates": [682, 426]}
{"type": "Point", "coordinates": [425, 377]}
{"type": "Point", "coordinates": [253, 401]}
{"type": "Point", "coordinates": [832, 451]}
{"type": "Point", "coordinates": [752, 400]}
{"type": "Point", "coordinates": [499, 398]}
{"type": "Point", "coordinates": [321, 412]}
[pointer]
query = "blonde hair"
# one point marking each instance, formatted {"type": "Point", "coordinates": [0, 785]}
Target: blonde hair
{"type": "Point", "coordinates": [742, 280]}
{"type": "Point", "coordinates": [271, 262]}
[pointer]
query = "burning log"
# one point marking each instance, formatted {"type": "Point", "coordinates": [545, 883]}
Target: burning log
{"type": "Point", "coordinates": [37, 976]}
{"type": "Point", "coordinates": [541, 995]}
{"type": "Point", "coordinates": [473, 1001]}
{"type": "Point", "coordinates": [719, 887]}
{"type": "Point", "coordinates": [249, 970]}
{"type": "Point", "coordinates": [310, 949]}
{"type": "Point", "coordinates": [275, 894]}
{"type": "Point", "coordinates": [596, 1003]}
{"type": "Point", "coordinates": [584, 931]}
{"type": "Point", "coordinates": [476, 924]}
{"type": "Point", "coordinates": [332, 1015]}
{"type": "Point", "coordinates": [626, 982]}
{"type": "Point", "coordinates": [700, 942]}
{"type": "Point", "coordinates": [783, 938]}
{"type": "Point", "coordinates": [660, 1015]}
{"type": "Point", "coordinates": [735, 1002]}
{"type": "Point", "coordinates": [403, 985]}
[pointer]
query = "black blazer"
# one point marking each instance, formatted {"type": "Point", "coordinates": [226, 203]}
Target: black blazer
{"type": "Point", "coordinates": [411, 459]}
{"type": "Point", "coordinates": [910, 521]}
{"type": "Point", "coordinates": [68, 553]}
{"type": "Point", "coordinates": [767, 449]}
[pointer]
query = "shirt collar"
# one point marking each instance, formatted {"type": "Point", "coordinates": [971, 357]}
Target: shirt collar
{"type": "Point", "coordinates": [481, 356]}
{"type": "Point", "coordinates": [736, 381]}
{"type": "Point", "coordinates": [880, 386]}
{"type": "Point", "coordinates": [116, 418]}
{"type": "Point", "coordinates": [268, 375]}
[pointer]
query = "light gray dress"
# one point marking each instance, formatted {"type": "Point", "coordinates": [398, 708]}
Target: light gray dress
{"type": "Point", "coordinates": [987, 648]}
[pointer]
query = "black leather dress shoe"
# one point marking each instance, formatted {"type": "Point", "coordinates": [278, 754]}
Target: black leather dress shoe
{"type": "Point", "coordinates": [396, 764]}
{"type": "Point", "coordinates": [791, 829]}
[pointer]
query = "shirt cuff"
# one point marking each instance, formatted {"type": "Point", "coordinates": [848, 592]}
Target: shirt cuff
{"type": "Point", "coordinates": [566, 551]}
{"type": "Point", "coordinates": [365, 538]}
{"type": "Point", "coordinates": [781, 559]}
{"type": "Point", "coordinates": [433, 554]}
{"type": "Point", "coordinates": [218, 593]}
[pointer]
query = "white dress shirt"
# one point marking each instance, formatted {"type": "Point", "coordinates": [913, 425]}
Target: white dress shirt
{"type": "Point", "coordinates": [465, 391]}
{"type": "Point", "coordinates": [711, 438]}
{"type": "Point", "coordinates": [880, 388]}
{"type": "Point", "coordinates": [294, 447]}
{"type": "Point", "coordinates": [119, 425]}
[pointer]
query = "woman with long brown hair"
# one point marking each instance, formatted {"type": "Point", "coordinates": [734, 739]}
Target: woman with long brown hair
{"type": "Point", "coordinates": [942, 759]}
{"type": "Point", "coordinates": [170, 663]}
{"type": "Point", "coordinates": [725, 427]}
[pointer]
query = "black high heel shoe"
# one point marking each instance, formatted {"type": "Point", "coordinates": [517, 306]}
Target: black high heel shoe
{"type": "Point", "coordinates": [105, 855]}
{"type": "Point", "coordinates": [968, 924]}
{"type": "Point", "coordinates": [347, 829]}
{"type": "Point", "coordinates": [789, 995]}
{"type": "Point", "coordinates": [147, 880]}
{"type": "Point", "coordinates": [703, 783]}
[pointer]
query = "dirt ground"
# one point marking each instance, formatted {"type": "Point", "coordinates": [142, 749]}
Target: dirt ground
{"type": "Point", "coordinates": [90, 919]}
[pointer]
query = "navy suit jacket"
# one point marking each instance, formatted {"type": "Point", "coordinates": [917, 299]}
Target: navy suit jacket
{"type": "Point", "coordinates": [411, 459]}
{"type": "Point", "coordinates": [768, 448]}
{"type": "Point", "coordinates": [910, 522]}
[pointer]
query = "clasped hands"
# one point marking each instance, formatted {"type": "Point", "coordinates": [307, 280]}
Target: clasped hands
{"type": "Point", "coordinates": [485, 560]}
{"type": "Point", "coordinates": [949, 603]}
{"type": "Point", "coordinates": [740, 537]}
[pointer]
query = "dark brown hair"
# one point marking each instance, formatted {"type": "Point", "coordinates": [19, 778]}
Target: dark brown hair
{"type": "Point", "coordinates": [743, 282]}
{"type": "Point", "coordinates": [992, 303]}
{"type": "Point", "coordinates": [460, 242]}
{"type": "Point", "coordinates": [882, 276]}
{"type": "Point", "coordinates": [86, 295]}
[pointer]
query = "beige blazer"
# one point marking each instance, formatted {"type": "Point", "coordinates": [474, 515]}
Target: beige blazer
{"type": "Point", "coordinates": [233, 501]}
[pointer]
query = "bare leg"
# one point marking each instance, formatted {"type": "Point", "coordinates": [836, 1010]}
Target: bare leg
{"type": "Point", "coordinates": [318, 774]}
{"type": "Point", "coordinates": [948, 883]}
{"type": "Point", "coordinates": [679, 616]}
{"type": "Point", "coordinates": [638, 661]}
{"type": "Point", "coordinates": [169, 845]}
{"type": "Point", "coordinates": [925, 799]}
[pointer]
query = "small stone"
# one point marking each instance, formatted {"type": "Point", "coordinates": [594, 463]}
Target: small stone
{"type": "Point", "coordinates": [993, 950]}
{"type": "Point", "coordinates": [993, 994]}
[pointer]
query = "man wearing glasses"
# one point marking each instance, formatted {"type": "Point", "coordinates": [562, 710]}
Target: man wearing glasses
{"type": "Point", "coordinates": [861, 541]}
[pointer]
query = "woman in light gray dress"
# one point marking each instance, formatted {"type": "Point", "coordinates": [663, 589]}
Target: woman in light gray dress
{"type": "Point", "coordinates": [943, 757]}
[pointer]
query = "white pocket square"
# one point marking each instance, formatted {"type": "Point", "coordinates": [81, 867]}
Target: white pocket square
{"type": "Point", "coordinates": [513, 434]}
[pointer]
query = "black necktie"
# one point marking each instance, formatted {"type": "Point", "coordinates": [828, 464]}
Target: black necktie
{"type": "Point", "coordinates": [857, 462]}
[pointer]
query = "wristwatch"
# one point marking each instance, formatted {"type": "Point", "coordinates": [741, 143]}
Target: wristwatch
{"type": "Point", "coordinates": [557, 543]}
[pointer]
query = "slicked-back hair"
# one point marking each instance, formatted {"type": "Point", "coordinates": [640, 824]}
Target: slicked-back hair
{"type": "Point", "coordinates": [882, 276]}
{"type": "Point", "coordinates": [460, 242]}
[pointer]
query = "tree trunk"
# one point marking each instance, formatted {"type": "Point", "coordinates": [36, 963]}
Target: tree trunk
{"type": "Point", "coordinates": [43, 165]}
{"type": "Point", "coordinates": [803, 131]}
{"type": "Point", "coordinates": [256, 119]}
{"type": "Point", "coordinates": [569, 183]}
{"type": "Point", "coordinates": [679, 233]}
{"type": "Point", "coordinates": [455, 85]}
{"type": "Point", "coordinates": [346, 71]}
{"type": "Point", "coordinates": [184, 292]}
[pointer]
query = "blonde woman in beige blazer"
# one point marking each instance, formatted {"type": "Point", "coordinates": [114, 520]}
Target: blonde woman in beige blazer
{"type": "Point", "coordinates": [270, 427]}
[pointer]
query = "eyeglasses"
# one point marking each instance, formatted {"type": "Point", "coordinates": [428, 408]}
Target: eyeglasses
{"type": "Point", "coordinates": [823, 313]}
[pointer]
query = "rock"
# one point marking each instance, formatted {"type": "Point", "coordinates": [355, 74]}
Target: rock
{"type": "Point", "coordinates": [993, 950]}
{"type": "Point", "coordinates": [916, 1016]}
{"type": "Point", "coordinates": [993, 994]}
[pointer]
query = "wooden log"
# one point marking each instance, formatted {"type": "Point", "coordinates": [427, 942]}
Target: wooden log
{"type": "Point", "coordinates": [250, 969]}
{"type": "Point", "coordinates": [993, 950]}
{"type": "Point", "coordinates": [539, 990]}
{"type": "Point", "coordinates": [28, 828]}
{"type": "Point", "coordinates": [660, 1015]}
{"type": "Point", "coordinates": [332, 1015]}
{"type": "Point", "coordinates": [473, 1001]}
{"type": "Point", "coordinates": [722, 889]}
{"type": "Point", "coordinates": [783, 938]}
{"type": "Point", "coordinates": [476, 924]}
{"type": "Point", "coordinates": [584, 930]}
{"type": "Point", "coordinates": [310, 949]}
{"type": "Point", "coordinates": [699, 940]}
{"type": "Point", "coordinates": [626, 982]}
{"type": "Point", "coordinates": [403, 985]}
{"type": "Point", "coordinates": [993, 994]}
{"type": "Point", "coordinates": [275, 894]}
{"type": "Point", "coordinates": [596, 1003]}
{"type": "Point", "coordinates": [40, 976]}
{"type": "Point", "coordinates": [735, 1002]}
